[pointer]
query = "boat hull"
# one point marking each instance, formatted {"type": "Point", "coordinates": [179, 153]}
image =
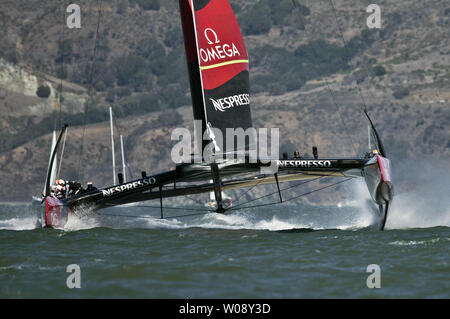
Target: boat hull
{"type": "Point", "coordinates": [377, 174]}
{"type": "Point", "coordinates": [55, 213]}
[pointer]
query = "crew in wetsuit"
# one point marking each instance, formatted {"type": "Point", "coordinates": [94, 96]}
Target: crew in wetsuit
{"type": "Point", "coordinates": [73, 188]}
{"type": "Point", "coordinates": [371, 154]}
{"type": "Point", "coordinates": [64, 189]}
{"type": "Point", "coordinates": [90, 187]}
{"type": "Point", "coordinates": [59, 189]}
{"type": "Point", "coordinates": [297, 154]}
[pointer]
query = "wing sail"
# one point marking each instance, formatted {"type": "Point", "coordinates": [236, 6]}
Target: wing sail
{"type": "Point", "coordinates": [218, 66]}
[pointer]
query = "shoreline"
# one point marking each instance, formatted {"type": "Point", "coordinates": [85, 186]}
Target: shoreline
{"type": "Point", "coordinates": [17, 203]}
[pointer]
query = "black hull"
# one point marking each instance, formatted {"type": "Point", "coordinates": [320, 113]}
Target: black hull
{"type": "Point", "coordinates": [191, 179]}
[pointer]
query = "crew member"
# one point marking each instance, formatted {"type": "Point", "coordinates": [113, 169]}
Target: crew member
{"type": "Point", "coordinates": [90, 187]}
{"type": "Point", "coordinates": [67, 188]}
{"type": "Point", "coordinates": [60, 182]}
{"type": "Point", "coordinates": [53, 190]}
{"type": "Point", "coordinates": [73, 188]}
{"type": "Point", "coordinates": [60, 191]}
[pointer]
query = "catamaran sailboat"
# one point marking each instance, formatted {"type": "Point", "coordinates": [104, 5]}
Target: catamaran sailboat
{"type": "Point", "coordinates": [218, 68]}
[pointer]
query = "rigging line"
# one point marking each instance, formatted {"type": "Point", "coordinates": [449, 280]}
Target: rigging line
{"type": "Point", "coordinates": [249, 190]}
{"type": "Point", "coordinates": [62, 67]}
{"type": "Point", "coordinates": [62, 152]}
{"type": "Point", "coordinates": [364, 67]}
{"type": "Point", "coordinates": [366, 70]}
{"type": "Point", "coordinates": [418, 38]}
{"type": "Point", "coordinates": [178, 181]}
{"type": "Point", "coordinates": [176, 208]}
{"type": "Point", "coordinates": [89, 89]}
{"type": "Point", "coordinates": [189, 176]}
{"type": "Point", "coordinates": [192, 199]}
{"type": "Point", "coordinates": [270, 194]}
{"type": "Point", "coordinates": [234, 208]}
{"type": "Point", "coordinates": [318, 189]}
{"type": "Point", "coordinates": [330, 91]}
{"type": "Point", "coordinates": [119, 131]}
{"type": "Point", "coordinates": [255, 206]}
{"type": "Point", "coordinates": [341, 33]}
{"type": "Point", "coordinates": [188, 215]}
{"type": "Point", "coordinates": [152, 217]}
{"type": "Point", "coordinates": [363, 110]}
{"type": "Point", "coordinates": [116, 123]}
{"type": "Point", "coordinates": [293, 186]}
{"type": "Point", "coordinates": [298, 196]}
{"type": "Point", "coordinates": [60, 89]}
{"type": "Point", "coordinates": [118, 215]}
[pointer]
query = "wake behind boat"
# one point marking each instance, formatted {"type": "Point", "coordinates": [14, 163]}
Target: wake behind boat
{"type": "Point", "coordinates": [218, 67]}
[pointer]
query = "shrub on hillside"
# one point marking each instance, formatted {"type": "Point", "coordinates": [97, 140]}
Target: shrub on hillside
{"type": "Point", "coordinates": [283, 9]}
{"type": "Point", "coordinates": [61, 73]}
{"type": "Point", "coordinates": [154, 54]}
{"type": "Point", "coordinates": [259, 18]}
{"type": "Point", "coordinates": [131, 70]}
{"type": "Point", "coordinates": [65, 49]}
{"type": "Point", "coordinates": [148, 4]}
{"type": "Point", "coordinates": [101, 71]}
{"type": "Point", "coordinates": [378, 70]}
{"type": "Point", "coordinates": [255, 22]}
{"type": "Point", "coordinates": [122, 7]}
{"type": "Point", "coordinates": [169, 119]}
{"type": "Point", "coordinates": [400, 93]}
{"type": "Point", "coordinates": [43, 91]}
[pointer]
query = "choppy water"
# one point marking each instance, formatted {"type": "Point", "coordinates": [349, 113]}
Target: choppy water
{"type": "Point", "coordinates": [248, 254]}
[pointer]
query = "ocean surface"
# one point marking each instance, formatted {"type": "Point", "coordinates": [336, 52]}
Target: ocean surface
{"type": "Point", "coordinates": [275, 252]}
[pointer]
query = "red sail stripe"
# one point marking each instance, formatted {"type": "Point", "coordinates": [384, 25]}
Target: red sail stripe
{"type": "Point", "coordinates": [219, 40]}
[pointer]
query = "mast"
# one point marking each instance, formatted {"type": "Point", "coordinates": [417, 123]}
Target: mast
{"type": "Point", "coordinates": [123, 160]}
{"type": "Point", "coordinates": [53, 175]}
{"type": "Point", "coordinates": [112, 145]}
{"type": "Point", "coordinates": [190, 44]}
{"type": "Point", "coordinates": [53, 168]}
{"type": "Point", "coordinates": [52, 160]}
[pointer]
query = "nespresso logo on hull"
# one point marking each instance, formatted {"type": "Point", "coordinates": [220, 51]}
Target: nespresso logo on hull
{"type": "Point", "coordinates": [304, 163]}
{"type": "Point", "coordinates": [128, 186]}
{"type": "Point", "coordinates": [230, 101]}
